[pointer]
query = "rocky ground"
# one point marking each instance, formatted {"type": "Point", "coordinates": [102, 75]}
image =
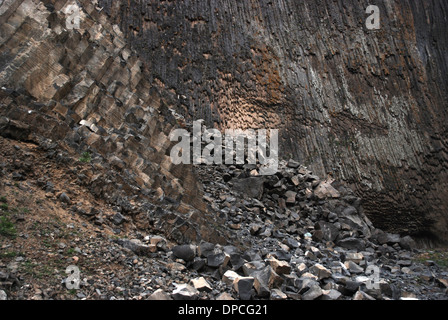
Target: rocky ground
{"type": "Point", "coordinates": [295, 236]}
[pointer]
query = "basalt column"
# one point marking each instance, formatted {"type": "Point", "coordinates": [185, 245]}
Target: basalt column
{"type": "Point", "coordinates": [365, 106]}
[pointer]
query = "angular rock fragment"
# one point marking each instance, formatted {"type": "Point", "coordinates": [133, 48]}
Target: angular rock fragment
{"type": "Point", "coordinates": [219, 259]}
{"type": "Point", "coordinates": [160, 295]}
{"type": "Point", "coordinates": [352, 243]}
{"type": "Point", "coordinates": [388, 238]}
{"type": "Point", "coordinates": [224, 297]}
{"type": "Point", "coordinates": [198, 263]}
{"type": "Point", "coordinates": [331, 294]}
{"type": "Point", "coordinates": [280, 267]}
{"type": "Point", "coordinates": [244, 287]}
{"type": "Point", "coordinates": [201, 284]}
{"type": "Point", "coordinates": [356, 257]}
{"type": "Point", "coordinates": [277, 294]}
{"type": "Point", "coordinates": [229, 277]}
{"type": "Point", "coordinates": [408, 243]}
{"type": "Point", "coordinates": [185, 292]}
{"type": "Point", "coordinates": [290, 197]}
{"type": "Point", "coordinates": [186, 252]}
{"type": "Point", "coordinates": [118, 219]}
{"type": "Point", "coordinates": [251, 267]}
{"type": "Point", "coordinates": [326, 190]}
{"type": "Point", "coordinates": [266, 279]}
{"type": "Point", "coordinates": [320, 271]}
{"type": "Point", "coordinates": [328, 231]}
{"type": "Point", "coordinates": [252, 187]}
{"type": "Point", "coordinates": [361, 295]}
{"type": "Point", "coordinates": [293, 164]}
{"type": "Point", "coordinates": [205, 248]}
{"type": "Point", "coordinates": [313, 293]}
{"type": "Point", "coordinates": [137, 246]}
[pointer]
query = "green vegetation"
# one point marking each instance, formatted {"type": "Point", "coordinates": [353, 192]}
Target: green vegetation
{"type": "Point", "coordinates": [72, 292]}
{"type": "Point", "coordinates": [38, 270]}
{"type": "Point", "coordinates": [7, 228]}
{"type": "Point", "coordinates": [438, 256]}
{"type": "Point", "coordinates": [24, 210]}
{"type": "Point", "coordinates": [86, 157]}
{"type": "Point", "coordinates": [10, 254]}
{"type": "Point", "coordinates": [3, 199]}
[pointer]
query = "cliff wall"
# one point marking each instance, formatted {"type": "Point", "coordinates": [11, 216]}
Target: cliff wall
{"type": "Point", "coordinates": [365, 106]}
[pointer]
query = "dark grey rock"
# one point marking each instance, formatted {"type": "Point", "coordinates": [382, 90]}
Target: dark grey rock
{"type": "Point", "coordinates": [250, 267]}
{"type": "Point", "coordinates": [136, 246]}
{"type": "Point", "coordinates": [404, 263]}
{"type": "Point", "coordinates": [352, 243]}
{"type": "Point", "coordinates": [266, 279]}
{"type": "Point", "coordinates": [303, 284]}
{"type": "Point", "coordinates": [388, 238]}
{"type": "Point", "coordinates": [244, 286]}
{"type": "Point", "coordinates": [329, 231]}
{"type": "Point", "coordinates": [350, 287]}
{"type": "Point", "coordinates": [282, 255]}
{"type": "Point", "coordinates": [186, 252]}
{"type": "Point", "coordinates": [65, 198]}
{"type": "Point", "coordinates": [118, 219]}
{"type": "Point", "coordinates": [408, 243]}
{"type": "Point", "coordinates": [354, 268]}
{"type": "Point", "coordinates": [205, 248]}
{"type": "Point", "coordinates": [293, 164]}
{"type": "Point", "coordinates": [291, 243]}
{"type": "Point", "coordinates": [313, 293]}
{"type": "Point", "coordinates": [226, 177]}
{"type": "Point", "coordinates": [237, 261]}
{"type": "Point", "coordinates": [216, 260]}
{"type": "Point", "coordinates": [198, 264]}
{"type": "Point", "coordinates": [252, 255]}
{"type": "Point", "coordinates": [251, 187]}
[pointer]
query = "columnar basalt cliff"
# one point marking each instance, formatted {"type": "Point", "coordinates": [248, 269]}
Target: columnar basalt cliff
{"type": "Point", "coordinates": [365, 106]}
{"type": "Point", "coordinates": [90, 92]}
{"type": "Point", "coordinates": [83, 89]}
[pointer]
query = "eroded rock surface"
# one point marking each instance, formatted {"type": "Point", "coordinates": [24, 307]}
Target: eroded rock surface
{"type": "Point", "coordinates": [83, 90]}
{"type": "Point", "coordinates": [367, 106]}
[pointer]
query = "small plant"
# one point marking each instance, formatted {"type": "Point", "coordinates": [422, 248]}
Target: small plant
{"type": "Point", "coordinates": [3, 199]}
{"type": "Point", "coordinates": [10, 254]}
{"type": "Point", "coordinates": [440, 257]}
{"type": "Point", "coordinates": [4, 207]}
{"type": "Point", "coordinates": [86, 157]}
{"type": "Point", "coordinates": [72, 292]}
{"type": "Point", "coordinates": [7, 228]}
{"type": "Point", "coordinates": [25, 210]}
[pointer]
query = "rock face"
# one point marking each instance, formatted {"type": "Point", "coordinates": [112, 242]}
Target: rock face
{"type": "Point", "coordinates": [310, 249]}
{"type": "Point", "coordinates": [83, 90]}
{"type": "Point", "coordinates": [365, 105]}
